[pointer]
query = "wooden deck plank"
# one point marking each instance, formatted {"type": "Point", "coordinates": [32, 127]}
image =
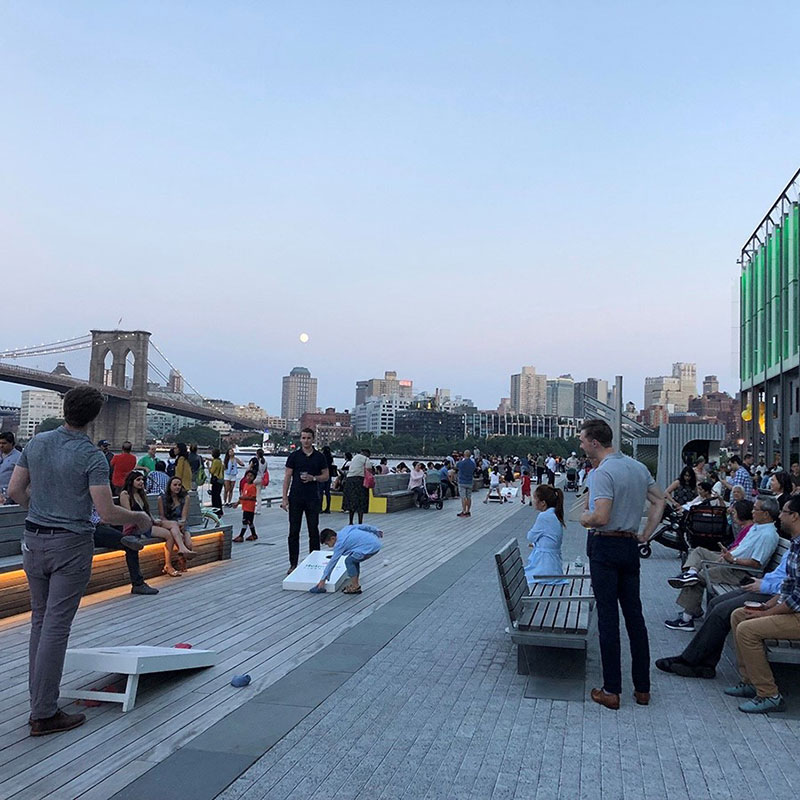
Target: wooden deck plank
{"type": "Point", "coordinates": [239, 608]}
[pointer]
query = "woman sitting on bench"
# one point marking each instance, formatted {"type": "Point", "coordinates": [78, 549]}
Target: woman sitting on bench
{"type": "Point", "coordinates": [133, 498]}
{"type": "Point", "coordinates": [545, 536]}
{"type": "Point", "coordinates": [173, 508]}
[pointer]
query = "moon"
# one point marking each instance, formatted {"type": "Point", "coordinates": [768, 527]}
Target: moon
{"type": "Point", "coordinates": [303, 337]}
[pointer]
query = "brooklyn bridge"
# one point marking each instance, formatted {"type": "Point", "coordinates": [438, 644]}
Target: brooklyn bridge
{"type": "Point", "coordinates": [120, 367]}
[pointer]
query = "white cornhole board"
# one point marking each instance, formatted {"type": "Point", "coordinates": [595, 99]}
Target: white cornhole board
{"type": "Point", "coordinates": [133, 662]}
{"type": "Point", "coordinates": [509, 491]}
{"type": "Point", "coordinates": [309, 573]}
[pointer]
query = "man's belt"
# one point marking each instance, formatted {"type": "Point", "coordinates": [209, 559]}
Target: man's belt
{"type": "Point", "coordinates": [616, 534]}
{"type": "Point", "coordinates": [33, 528]}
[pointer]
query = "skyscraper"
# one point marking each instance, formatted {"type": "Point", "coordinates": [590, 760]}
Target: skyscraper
{"type": "Point", "coordinates": [387, 386]}
{"type": "Point", "coordinates": [591, 387]}
{"type": "Point", "coordinates": [299, 393]}
{"type": "Point", "coordinates": [38, 405]}
{"type": "Point", "coordinates": [529, 392]}
{"type": "Point", "coordinates": [561, 396]}
{"type": "Point", "coordinates": [710, 384]}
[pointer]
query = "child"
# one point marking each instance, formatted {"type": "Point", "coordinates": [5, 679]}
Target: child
{"type": "Point", "coordinates": [356, 543]}
{"type": "Point", "coordinates": [545, 536]}
{"type": "Point", "coordinates": [526, 487]}
{"type": "Point", "coordinates": [247, 497]}
{"type": "Point", "coordinates": [494, 486]}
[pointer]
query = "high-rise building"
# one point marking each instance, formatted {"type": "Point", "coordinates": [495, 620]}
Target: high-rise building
{"type": "Point", "coordinates": [377, 415]}
{"type": "Point", "coordinates": [387, 386]}
{"type": "Point", "coordinates": [710, 384]}
{"type": "Point", "coordinates": [529, 392]}
{"type": "Point", "coordinates": [561, 396]}
{"type": "Point", "coordinates": [37, 406]}
{"type": "Point", "coordinates": [299, 393]}
{"type": "Point", "coordinates": [672, 391]}
{"type": "Point", "coordinates": [175, 382]}
{"type": "Point", "coordinates": [686, 373]}
{"type": "Point", "coordinates": [591, 387]}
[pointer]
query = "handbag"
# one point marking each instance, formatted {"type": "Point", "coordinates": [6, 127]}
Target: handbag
{"type": "Point", "coordinates": [265, 478]}
{"type": "Point", "coordinates": [369, 480]}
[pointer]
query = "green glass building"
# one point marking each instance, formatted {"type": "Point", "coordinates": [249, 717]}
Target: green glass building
{"type": "Point", "coordinates": [769, 339]}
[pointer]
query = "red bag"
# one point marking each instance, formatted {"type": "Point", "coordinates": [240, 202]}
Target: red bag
{"type": "Point", "coordinates": [369, 480]}
{"type": "Point", "coordinates": [265, 477]}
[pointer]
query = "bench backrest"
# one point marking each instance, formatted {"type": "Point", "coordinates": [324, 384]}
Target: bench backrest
{"type": "Point", "coordinates": [393, 482]}
{"type": "Point", "coordinates": [12, 522]}
{"type": "Point", "coordinates": [777, 556]}
{"type": "Point", "coordinates": [511, 576]}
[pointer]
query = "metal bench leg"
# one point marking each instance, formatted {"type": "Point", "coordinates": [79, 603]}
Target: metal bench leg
{"type": "Point", "coordinates": [130, 692]}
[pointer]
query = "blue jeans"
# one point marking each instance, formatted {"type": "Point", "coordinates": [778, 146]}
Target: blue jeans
{"type": "Point", "coordinates": [614, 565]}
{"type": "Point", "coordinates": [353, 563]}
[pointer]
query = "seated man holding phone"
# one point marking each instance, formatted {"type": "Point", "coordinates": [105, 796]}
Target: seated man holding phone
{"type": "Point", "coordinates": [755, 550]}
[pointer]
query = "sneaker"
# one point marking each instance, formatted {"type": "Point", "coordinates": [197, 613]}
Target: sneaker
{"type": "Point", "coordinates": [763, 705]}
{"type": "Point", "coordinates": [679, 624]}
{"type": "Point", "coordinates": [143, 588]}
{"type": "Point", "coordinates": [691, 671]}
{"type": "Point", "coordinates": [132, 542]}
{"type": "Point", "coordinates": [684, 579]}
{"type": "Point", "coordinates": [60, 721]}
{"type": "Point", "coordinates": [741, 689]}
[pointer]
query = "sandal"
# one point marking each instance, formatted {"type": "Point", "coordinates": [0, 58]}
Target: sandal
{"type": "Point", "coordinates": [350, 590]}
{"type": "Point", "coordinates": [251, 538]}
{"type": "Point", "coordinates": [182, 565]}
{"type": "Point", "coordinates": [171, 571]}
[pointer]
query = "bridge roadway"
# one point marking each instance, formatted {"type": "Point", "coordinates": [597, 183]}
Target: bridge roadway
{"type": "Point", "coordinates": [41, 379]}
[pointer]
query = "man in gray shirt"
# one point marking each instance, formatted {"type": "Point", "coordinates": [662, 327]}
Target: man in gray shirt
{"type": "Point", "coordinates": [618, 487]}
{"type": "Point", "coordinates": [9, 455]}
{"type": "Point", "coordinates": [58, 478]}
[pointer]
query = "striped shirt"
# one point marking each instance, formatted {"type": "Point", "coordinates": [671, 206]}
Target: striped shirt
{"type": "Point", "coordinates": [790, 588]}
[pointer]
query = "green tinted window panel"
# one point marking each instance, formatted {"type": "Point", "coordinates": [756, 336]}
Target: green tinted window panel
{"type": "Point", "coordinates": [793, 242]}
{"type": "Point", "coordinates": [747, 349]}
{"type": "Point", "coordinates": [774, 264]}
{"type": "Point", "coordinates": [785, 341]}
{"type": "Point", "coordinates": [758, 280]}
{"type": "Point", "coordinates": [758, 342]}
{"type": "Point", "coordinates": [774, 335]}
{"type": "Point", "coordinates": [786, 235]}
{"type": "Point", "coordinates": [791, 319]}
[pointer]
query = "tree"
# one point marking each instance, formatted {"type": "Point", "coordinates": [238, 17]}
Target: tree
{"type": "Point", "coordinates": [49, 424]}
{"type": "Point", "coordinates": [201, 435]}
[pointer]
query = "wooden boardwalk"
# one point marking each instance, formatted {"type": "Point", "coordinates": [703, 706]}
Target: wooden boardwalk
{"type": "Point", "coordinates": [236, 608]}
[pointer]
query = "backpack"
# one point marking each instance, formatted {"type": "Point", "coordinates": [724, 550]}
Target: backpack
{"type": "Point", "coordinates": [171, 469]}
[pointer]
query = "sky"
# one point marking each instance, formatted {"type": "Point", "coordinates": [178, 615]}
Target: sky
{"type": "Point", "coordinates": [450, 190]}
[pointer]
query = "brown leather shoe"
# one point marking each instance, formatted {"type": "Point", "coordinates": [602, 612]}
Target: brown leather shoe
{"type": "Point", "coordinates": [642, 698]}
{"type": "Point", "coordinates": [608, 700]}
{"type": "Point", "coordinates": [57, 723]}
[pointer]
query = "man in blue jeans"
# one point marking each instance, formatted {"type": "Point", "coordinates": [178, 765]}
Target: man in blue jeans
{"type": "Point", "coordinates": [618, 487]}
{"type": "Point", "coordinates": [465, 468]}
{"type": "Point", "coordinates": [58, 478]}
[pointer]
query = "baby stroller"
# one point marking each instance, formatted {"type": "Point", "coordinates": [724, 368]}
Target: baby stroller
{"type": "Point", "coordinates": [572, 479]}
{"type": "Point", "coordinates": [700, 526]}
{"type": "Point", "coordinates": [431, 497]}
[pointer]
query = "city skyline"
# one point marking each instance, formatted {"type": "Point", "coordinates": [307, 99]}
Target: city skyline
{"type": "Point", "coordinates": [575, 195]}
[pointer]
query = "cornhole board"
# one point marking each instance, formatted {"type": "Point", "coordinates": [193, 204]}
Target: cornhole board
{"type": "Point", "coordinates": [309, 573]}
{"type": "Point", "coordinates": [131, 661]}
{"type": "Point", "coordinates": [509, 491]}
{"type": "Point", "coordinates": [494, 496]}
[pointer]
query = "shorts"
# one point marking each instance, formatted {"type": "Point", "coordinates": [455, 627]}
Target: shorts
{"type": "Point", "coordinates": [465, 490]}
{"type": "Point", "coordinates": [248, 517]}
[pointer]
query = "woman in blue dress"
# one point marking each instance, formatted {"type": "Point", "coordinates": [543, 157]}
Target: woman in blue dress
{"type": "Point", "coordinates": [546, 535]}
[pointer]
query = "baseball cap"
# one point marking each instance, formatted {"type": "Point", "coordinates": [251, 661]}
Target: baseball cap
{"type": "Point", "coordinates": [103, 443]}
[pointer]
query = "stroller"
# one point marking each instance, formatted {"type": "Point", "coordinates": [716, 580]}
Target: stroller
{"type": "Point", "coordinates": [572, 480]}
{"type": "Point", "coordinates": [700, 526]}
{"type": "Point", "coordinates": [431, 497]}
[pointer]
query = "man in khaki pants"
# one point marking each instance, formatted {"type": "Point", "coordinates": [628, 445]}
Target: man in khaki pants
{"type": "Point", "coordinates": [778, 618]}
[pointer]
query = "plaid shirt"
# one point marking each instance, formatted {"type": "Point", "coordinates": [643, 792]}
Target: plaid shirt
{"type": "Point", "coordinates": [790, 588]}
{"type": "Point", "coordinates": [157, 482]}
{"type": "Point", "coordinates": [742, 478]}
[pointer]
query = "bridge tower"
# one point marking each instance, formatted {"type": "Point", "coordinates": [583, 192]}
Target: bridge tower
{"type": "Point", "coordinates": [121, 420]}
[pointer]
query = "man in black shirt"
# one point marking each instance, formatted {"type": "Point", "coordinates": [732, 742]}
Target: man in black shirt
{"type": "Point", "coordinates": [305, 468]}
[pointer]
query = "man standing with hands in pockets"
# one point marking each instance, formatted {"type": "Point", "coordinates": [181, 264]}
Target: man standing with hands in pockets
{"type": "Point", "coordinates": [58, 478]}
{"type": "Point", "coordinates": [618, 487]}
{"type": "Point", "coordinates": [305, 468]}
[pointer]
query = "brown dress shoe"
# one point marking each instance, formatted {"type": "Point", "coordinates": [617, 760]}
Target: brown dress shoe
{"type": "Point", "coordinates": [608, 700]}
{"type": "Point", "coordinates": [642, 698]}
{"type": "Point", "coordinates": [60, 721]}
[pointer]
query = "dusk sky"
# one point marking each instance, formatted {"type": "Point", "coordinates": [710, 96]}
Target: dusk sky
{"type": "Point", "coordinates": [446, 189]}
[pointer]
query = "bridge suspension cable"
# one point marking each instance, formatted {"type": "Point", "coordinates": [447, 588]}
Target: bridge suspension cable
{"type": "Point", "coordinates": [61, 346]}
{"type": "Point", "coordinates": [205, 400]}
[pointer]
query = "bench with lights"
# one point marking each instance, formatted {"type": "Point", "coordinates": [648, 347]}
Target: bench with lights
{"type": "Point", "coordinates": [212, 543]}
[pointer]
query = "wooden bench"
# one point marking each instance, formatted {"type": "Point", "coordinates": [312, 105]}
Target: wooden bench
{"type": "Point", "coordinates": [785, 651]}
{"type": "Point", "coordinates": [109, 569]}
{"type": "Point", "coordinates": [548, 615]}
